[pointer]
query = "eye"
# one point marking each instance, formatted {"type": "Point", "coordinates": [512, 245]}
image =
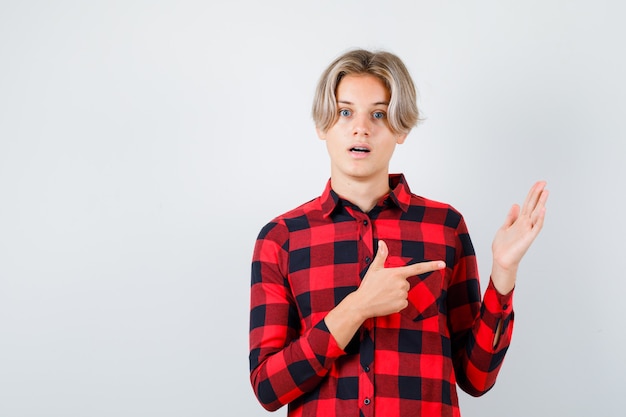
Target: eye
{"type": "Point", "coordinates": [378, 115]}
{"type": "Point", "coordinates": [345, 113]}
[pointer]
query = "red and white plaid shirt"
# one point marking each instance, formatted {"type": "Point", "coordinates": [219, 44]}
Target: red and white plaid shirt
{"type": "Point", "coordinates": [405, 364]}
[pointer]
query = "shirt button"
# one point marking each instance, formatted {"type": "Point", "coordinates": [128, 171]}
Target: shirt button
{"type": "Point", "coordinates": [366, 401]}
{"type": "Point", "coordinates": [366, 369]}
{"type": "Point", "coordinates": [505, 306]}
{"type": "Point", "coordinates": [365, 222]}
{"type": "Point", "coordinates": [367, 259]}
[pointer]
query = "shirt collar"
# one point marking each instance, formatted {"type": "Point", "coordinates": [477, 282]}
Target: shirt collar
{"type": "Point", "coordinates": [400, 195]}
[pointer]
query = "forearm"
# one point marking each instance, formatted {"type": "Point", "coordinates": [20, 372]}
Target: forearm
{"type": "Point", "coordinates": [504, 281]}
{"type": "Point", "coordinates": [280, 375]}
{"type": "Point", "coordinates": [480, 352]}
{"type": "Point", "coordinates": [344, 320]}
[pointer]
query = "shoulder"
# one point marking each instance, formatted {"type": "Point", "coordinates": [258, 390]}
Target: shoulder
{"type": "Point", "coordinates": [297, 218]}
{"type": "Point", "coordinates": [433, 211]}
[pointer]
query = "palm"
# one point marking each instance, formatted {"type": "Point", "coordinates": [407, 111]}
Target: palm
{"type": "Point", "coordinates": [520, 228]}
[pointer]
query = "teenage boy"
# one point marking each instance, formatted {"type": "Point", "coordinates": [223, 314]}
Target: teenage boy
{"type": "Point", "coordinates": [366, 301]}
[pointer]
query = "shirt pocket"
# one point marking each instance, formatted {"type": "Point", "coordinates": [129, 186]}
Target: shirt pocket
{"type": "Point", "coordinates": [426, 290]}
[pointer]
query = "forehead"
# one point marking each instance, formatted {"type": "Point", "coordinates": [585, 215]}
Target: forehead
{"type": "Point", "coordinates": [362, 88]}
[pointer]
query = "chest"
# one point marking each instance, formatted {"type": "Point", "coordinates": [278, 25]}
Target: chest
{"type": "Point", "coordinates": [327, 261]}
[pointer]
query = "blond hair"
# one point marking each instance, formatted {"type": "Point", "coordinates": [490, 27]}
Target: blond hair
{"type": "Point", "coordinates": [403, 114]}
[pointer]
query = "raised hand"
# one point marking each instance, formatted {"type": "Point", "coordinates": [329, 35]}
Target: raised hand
{"type": "Point", "coordinates": [518, 232]}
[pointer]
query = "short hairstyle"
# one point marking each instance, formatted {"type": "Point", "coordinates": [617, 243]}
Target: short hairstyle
{"type": "Point", "coordinates": [403, 114]}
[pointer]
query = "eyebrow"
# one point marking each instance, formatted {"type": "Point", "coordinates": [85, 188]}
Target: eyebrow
{"type": "Point", "coordinates": [375, 104]}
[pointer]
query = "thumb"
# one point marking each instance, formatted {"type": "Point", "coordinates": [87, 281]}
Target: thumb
{"type": "Point", "coordinates": [381, 256]}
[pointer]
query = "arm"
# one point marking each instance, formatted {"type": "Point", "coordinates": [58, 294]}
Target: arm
{"type": "Point", "coordinates": [283, 362]}
{"type": "Point", "coordinates": [286, 362]}
{"type": "Point", "coordinates": [481, 334]}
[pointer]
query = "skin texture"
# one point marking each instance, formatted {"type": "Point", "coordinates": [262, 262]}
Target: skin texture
{"type": "Point", "coordinates": [360, 146]}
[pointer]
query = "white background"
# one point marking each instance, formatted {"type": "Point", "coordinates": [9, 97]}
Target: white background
{"type": "Point", "coordinates": [143, 144]}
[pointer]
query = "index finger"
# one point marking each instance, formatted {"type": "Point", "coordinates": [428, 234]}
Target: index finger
{"type": "Point", "coordinates": [421, 268]}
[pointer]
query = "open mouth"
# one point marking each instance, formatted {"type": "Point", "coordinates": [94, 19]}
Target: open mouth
{"type": "Point", "coordinates": [359, 149]}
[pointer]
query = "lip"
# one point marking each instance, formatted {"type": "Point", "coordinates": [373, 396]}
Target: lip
{"type": "Point", "coordinates": [363, 153]}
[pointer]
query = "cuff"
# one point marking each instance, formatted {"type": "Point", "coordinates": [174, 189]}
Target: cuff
{"type": "Point", "coordinates": [323, 345]}
{"type": "Point", "coordinates": [497, 303]}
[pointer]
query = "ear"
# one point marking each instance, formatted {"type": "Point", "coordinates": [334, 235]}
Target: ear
{"type": "Point", "coordinates": [320, 134]}
{"type": "Point", "coordinates": [401, 138]}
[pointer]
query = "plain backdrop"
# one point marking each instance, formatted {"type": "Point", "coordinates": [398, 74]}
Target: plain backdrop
{"type": "Point", "coordinates": [143, 145]}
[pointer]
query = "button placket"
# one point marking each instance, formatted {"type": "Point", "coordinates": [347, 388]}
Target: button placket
{"type": "Point", "coordinates": [366, 351]}
{"type": "Point", "coordinates": [365, 234]}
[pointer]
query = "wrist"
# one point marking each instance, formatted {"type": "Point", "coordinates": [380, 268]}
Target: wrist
{"type": "Point", "coordinates": [503, 278]}
{"type": "Point", "coordinates": [353, 309]}
{"type": "Point", "coordinates": [344, 320]}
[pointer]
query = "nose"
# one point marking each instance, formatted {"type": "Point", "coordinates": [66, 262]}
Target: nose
{"type": "Point", "coordinates": [361, 125]}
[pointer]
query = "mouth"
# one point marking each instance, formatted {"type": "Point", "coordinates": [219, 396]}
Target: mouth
{"type": "Point", "coordinates": [359, 149]}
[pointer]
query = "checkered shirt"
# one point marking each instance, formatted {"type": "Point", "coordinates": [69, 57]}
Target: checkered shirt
{"type": "Point", "coordinates": [405, 364]}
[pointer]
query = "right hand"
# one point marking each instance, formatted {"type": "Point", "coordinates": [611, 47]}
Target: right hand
{"type": "Point", "coordinates": [384, 291]}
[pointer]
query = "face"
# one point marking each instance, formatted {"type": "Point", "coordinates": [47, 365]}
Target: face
{"type": "Point", "coordinates": [360, 143]}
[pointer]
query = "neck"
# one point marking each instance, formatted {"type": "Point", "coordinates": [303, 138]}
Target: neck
{"type": "Point", "coordinates": [364, 194]}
